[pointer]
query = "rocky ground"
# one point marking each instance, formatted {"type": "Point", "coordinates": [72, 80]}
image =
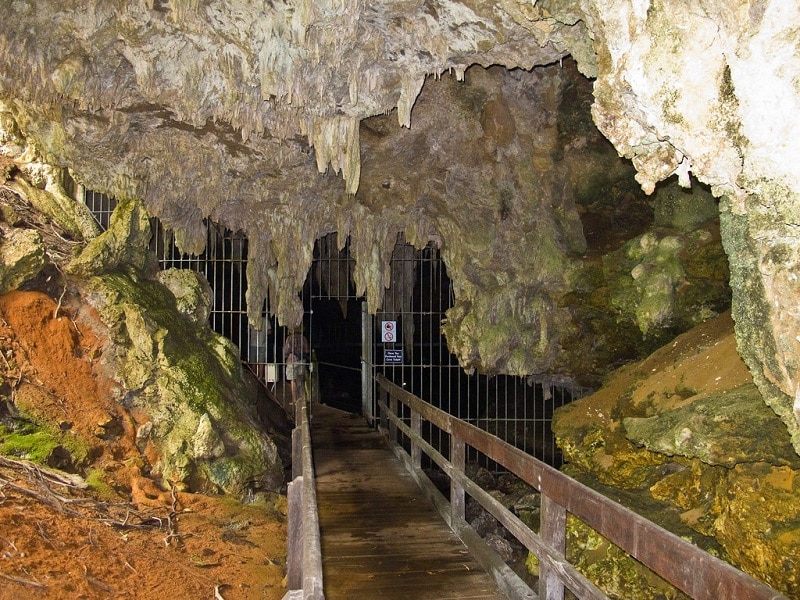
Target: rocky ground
{"type": "Point", "coordinates": [94, 524]}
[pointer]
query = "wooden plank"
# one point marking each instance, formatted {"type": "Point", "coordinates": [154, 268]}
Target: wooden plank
{"type": "Point", "coordinates": [554, 534]}
{"type": "Point", "coordinates": [381, 537]}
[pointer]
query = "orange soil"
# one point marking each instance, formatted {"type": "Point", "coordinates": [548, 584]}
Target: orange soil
{"type": "Point", "coordinates": [140, 540]}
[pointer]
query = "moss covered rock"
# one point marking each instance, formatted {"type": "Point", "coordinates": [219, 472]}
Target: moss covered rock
{"type": "Point", "coordinates": [759, 523]}
{"type": "Point", "coordinates": [22, 256]}
{"type": "Point", "coordinates": [193, 293]}
{"type": "Point", "coordinates": [720, 429]}
{"type": "Point", "coordinates": [125, 242]}
{"type": "Point", "coordinates": [187, 382]}
{"type": "Point", "coordinates": [687, 428]}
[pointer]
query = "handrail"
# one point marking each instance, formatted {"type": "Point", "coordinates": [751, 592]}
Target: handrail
{"type": "Point", "coordinates": [687, 567]}
{"type": "Point", "coordinates": [304, 555]}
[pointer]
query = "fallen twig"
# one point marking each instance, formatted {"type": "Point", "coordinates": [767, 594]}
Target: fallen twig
{"type": "Point", "coordinates": [22, 581]}
{"type": "Point", "coordinates": [47, 499]}
{"type": "Point", "coordinates": [10, 543]}
{"type": "Point", "coordinates": [57, 477]}
{"type": "Point", "coordinates": [64, 291]}
{"type": "Point", "coordinates": [171, 526]}
{"type": "Point", "coordinates": [120, 515]}
{"type": "Point", "coordinates": [42, 532]}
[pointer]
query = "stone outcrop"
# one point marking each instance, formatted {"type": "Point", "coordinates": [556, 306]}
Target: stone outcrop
{"type": "Point", "coordinates": [21, 258]}
{"type": "Point", "coordinates": [443, 122]}
{"type": "Point", "coordinates": [106, 357]}
{"type": "Point", "coordinates": [685, 439]}
{"type": "Point", "coordinates": [187, 386]}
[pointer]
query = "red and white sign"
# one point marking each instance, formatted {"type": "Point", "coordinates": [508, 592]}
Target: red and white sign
{"type": "Point", "coordinates": [388, 331]}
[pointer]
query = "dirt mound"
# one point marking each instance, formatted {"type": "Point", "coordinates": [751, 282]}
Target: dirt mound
{"type": "Point", "coordinates": [109, 530]}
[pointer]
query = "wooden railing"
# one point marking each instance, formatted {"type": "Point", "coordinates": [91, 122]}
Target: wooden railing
{"type": "Point", "coordinates": [304, 557]}
{"type": "Point", "coordinates": [687, 567]}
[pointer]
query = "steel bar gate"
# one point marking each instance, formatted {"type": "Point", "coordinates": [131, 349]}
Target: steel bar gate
{"type": "Point", "coordinates": [403, 341]}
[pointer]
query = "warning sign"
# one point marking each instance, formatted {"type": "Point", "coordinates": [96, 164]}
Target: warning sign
{"type": "Point", "coordinates": [392, 357]}
{"type": "Point", "coordinates": [388, 331]}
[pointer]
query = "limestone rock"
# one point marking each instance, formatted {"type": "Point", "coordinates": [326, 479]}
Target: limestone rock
{"type": "Point", "coordinates": [232, 110]}
{"type": "Point", "coordinates": [192, 292]}
{"type": "Point", "coordinates": [764, 255]}
{"type": "Point", "coordinates": [125, 242]}
{"type": "Point", "coordinates": [721, 429]}
{"type": "Point", "coordinates": [762, 505]}
{"type": "Point", "coordinates": [712, 460]}
{"type": "Point", "coordinates": [188, 383]}
{"type": "Point", "coordinates": [22, 256]}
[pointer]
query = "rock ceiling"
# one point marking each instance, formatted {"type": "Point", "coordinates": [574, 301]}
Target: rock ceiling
{"type": "Point", "coordinates": [290, 120]}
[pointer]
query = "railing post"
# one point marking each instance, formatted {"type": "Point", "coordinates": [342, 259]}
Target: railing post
{"type": "Point", "coordinates": [367, 383]}
{"type": "Point", "coordinates": [458, 459]}
{"type": "Point", "coordinates": [294, 560]}
{"type": "Point", "coordinates": [392, 426]}
{"type": "Point", "coordinates": [383, 398]}
{"type": "Point", "coordinates": [416, 427]}
{"type": "Point", "coordinates": [554, 534]}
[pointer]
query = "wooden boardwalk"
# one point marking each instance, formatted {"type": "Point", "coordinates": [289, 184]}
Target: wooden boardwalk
{"type": "Point", "coordinates": [381, 537]}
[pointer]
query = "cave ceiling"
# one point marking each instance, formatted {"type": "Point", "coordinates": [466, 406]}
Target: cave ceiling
{"type": "Point", "coordinates": [435, 119]}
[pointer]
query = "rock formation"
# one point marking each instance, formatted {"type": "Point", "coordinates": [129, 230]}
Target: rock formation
{"type": "Point", "coordinates": [442, 122]}
{"type": "Point", "coordinates": [109, 369]}
{"type": "Point", "coordinates": [684, 438]}
{"type": "Point", "coordinates": [230, 110]}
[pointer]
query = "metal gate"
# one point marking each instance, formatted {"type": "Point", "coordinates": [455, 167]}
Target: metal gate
{"type": "Point", "coordinates": [403, 340]}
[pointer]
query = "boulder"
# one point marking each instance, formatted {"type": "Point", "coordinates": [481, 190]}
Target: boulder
{"type": "Point", "coordinates": [22, 256]}
{"type": "Point", "coordinates": [188, 383]}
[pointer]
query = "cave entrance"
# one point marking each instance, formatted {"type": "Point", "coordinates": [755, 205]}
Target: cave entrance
{"type": "Point", "coordinates": [403, 340]}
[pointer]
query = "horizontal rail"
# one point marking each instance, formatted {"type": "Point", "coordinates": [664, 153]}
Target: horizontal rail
{"type": "Point", "coordinates": [338, 366]}
{"type": "Point", "coordinates": [304, 554]}
{"type": "Point", "coordinates": [687, 567]}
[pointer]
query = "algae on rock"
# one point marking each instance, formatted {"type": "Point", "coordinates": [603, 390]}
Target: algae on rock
{"type": "Point", "coordinates": [190, 384]}
{"type": "Point", "coordinates": [708, 447]}
{"type": "Point", "coordinates": [723, 429]}
{"type": "Point", "coordinates": [22, 256]}
{"type": "Point", "coordinates": [125, 242]}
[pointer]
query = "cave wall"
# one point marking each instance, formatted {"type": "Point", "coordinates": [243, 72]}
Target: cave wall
{"type": "Point", "coordinates": [254, 114]}
{"type": "Point", "coordinates": [705, 91]}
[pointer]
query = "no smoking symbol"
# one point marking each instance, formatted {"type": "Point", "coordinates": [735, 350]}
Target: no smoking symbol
{"type": "Point", "coordinates": [387, 331]}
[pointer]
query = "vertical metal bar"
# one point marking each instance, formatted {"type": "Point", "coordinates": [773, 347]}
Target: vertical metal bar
{"type": "Point", "coordinates": [367, 364]}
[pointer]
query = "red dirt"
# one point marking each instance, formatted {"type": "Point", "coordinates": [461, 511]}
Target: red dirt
{"type": "Point", "coordinates": [139, 540]}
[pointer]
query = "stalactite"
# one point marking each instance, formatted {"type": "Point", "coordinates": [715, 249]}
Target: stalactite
{"type": "Point", "coordinates": [408, 95]}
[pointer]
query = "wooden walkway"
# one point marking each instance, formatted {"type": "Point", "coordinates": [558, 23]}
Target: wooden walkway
{"type": "Point", "coordinates": [381, 538]}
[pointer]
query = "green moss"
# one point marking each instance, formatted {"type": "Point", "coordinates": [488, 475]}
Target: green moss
{"type": "Point", "coordinates": [751, 310]}
{"type": "Point", "coordinates": [668, 106]}
{"type": "Point", "coordinates": [727, 92]}
{"type": "Point", "coordinates": [42, 445]}
{"type": "Point", "coordinates": [187, 353]}
{"type": "Point", "coordinates": [614, 570]}
{"type": "Point", "coordinates": [96, 481]}
{"type": "Point", "coordinates": [28, 443]}
{"type": "Point", "coordinates": [532, 564]}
